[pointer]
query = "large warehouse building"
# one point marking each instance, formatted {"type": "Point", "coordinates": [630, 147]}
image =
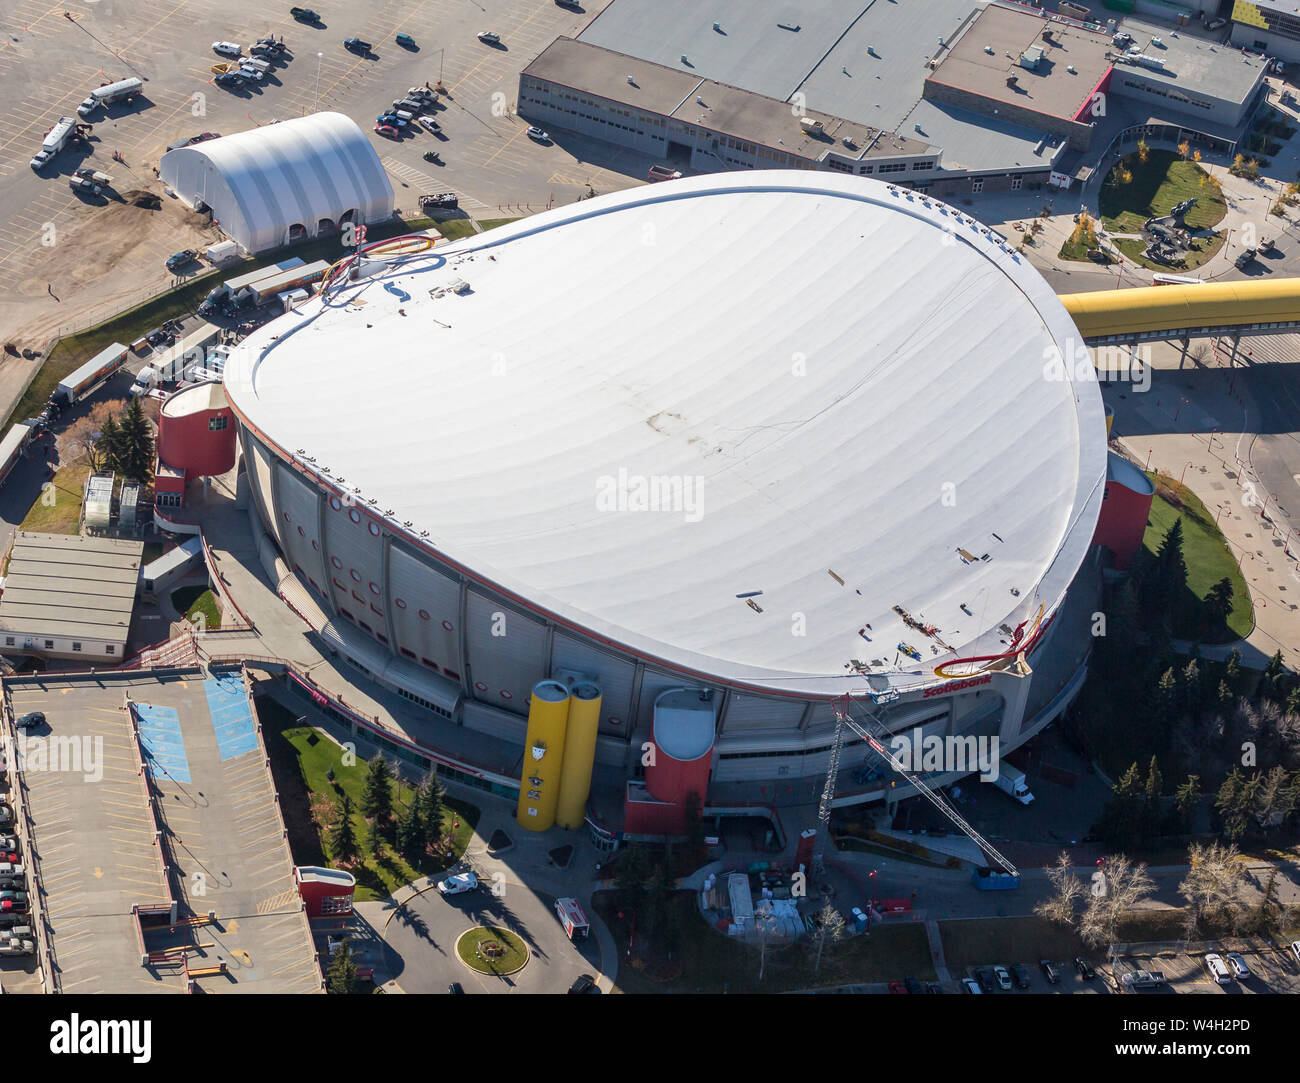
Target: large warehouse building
{"type": "Point", "coordinates": [285, 182]}
{"type": "Point", "coordinates": [946, 96]}
{"type": "Point", "coordinates": [770, 438]}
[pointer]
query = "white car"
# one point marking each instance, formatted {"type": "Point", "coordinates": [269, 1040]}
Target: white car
{"type": "Point", "coordinates": [251, 74]}
{"type": "Point", "coordinates": [488, 38]}
{"type": "Point", "coordinates": [1217, 969]}
{"type": "Point", "coordinates": [535, 132]}
{"type": "Point", "coordinates": [429, 124]}
{"type": "Point", "coordinates": [456, 885]}
{"type": "Point", "coordinates": [971, 986]}
{"type": "Point", "coordinates": [1003, 977]}
{"type": "Point", "coordinates": [227, 48]}
{"type": "Point", "coordinates": [1236, 964]}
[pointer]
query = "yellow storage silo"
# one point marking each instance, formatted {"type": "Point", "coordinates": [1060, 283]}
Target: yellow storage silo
{"type": "Point", "coordinates": [1110, 420]}
{"type": "Point", "coordinates": [579, 754]}
{"type": "Point", "coordinates": [539, 783]}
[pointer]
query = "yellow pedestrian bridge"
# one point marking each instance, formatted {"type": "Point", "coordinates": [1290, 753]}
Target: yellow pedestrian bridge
{"type": "Point", "coordinates": [1201, 310]}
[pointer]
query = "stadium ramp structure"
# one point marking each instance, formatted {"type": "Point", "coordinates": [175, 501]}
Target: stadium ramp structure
{"type": "Point", "coordinates": [1153, 313]}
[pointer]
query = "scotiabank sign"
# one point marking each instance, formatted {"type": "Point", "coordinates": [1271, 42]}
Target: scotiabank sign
{"type": "Point", "coordinates": [957, 686]}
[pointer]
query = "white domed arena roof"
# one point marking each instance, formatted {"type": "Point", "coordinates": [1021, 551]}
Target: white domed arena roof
{"type": "Point", "coordinates": [729, 422]}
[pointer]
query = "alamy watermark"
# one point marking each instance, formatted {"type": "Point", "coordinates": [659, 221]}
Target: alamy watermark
{"type": "Point", "coordinates": [681, 494]}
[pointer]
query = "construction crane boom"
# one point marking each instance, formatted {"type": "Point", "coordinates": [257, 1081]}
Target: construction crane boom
{"type": "Point", "coordinates": [876, 741]}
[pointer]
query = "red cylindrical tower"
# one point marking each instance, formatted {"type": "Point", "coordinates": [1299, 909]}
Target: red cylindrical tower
{"type": "Point", "coordinates": [683, 746]}
{"type": "Point", "coordinates": [196, 431]}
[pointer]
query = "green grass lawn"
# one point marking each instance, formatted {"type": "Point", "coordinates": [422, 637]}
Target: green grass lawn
{"type": "Point", "coordinates": [64, 513]}
{"type": "Point", "coordinates": [986, 941]}
{"type": "Point", "coordinates": [707, 961]}
{"type": "Point", "coordinates": [1158, 184]}
{"type": "Point", "coordinates": [1206, 553]}
{"type": "Point", "coordinates": [197, 599]}
{"type": "Point", "coordinates": [300, 758]}
{"type": "Point", "coordinates": [514, 953]}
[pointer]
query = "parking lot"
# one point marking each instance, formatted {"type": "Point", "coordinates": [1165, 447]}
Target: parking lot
{"type": "Point", "coordinates": [62, 254]}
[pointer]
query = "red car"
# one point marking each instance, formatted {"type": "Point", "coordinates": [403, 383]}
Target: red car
{"type": "Point", "coordinates": [388, 130]}
{"type": "Point", "coordinates": [897, 987]}
{"type": "Point", "coordinates": [8, 906]}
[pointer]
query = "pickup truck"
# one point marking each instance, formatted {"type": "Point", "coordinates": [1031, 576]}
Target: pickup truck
{"type": "Point", "coordinates": [1245, 259]}
{"type": "Point", "coordinates": [14, 946]}
{"type": "Point", "coordinates": [304, 15]}
{"type": "Point", "coordinates": [84, 186]}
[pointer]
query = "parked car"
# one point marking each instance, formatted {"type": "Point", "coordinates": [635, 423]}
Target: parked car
{"type": "Point", "coordinates": [15, 946]}
{"type": "Point", "coordinates": [985, 978]}
{"type": "Point", "coordinates": [85, 187]}
{"type": "Point", "coordinates": [1238, 966]}
{"type": "Point", "coordinates": [489, 38]}
{"type": "Point", "coordinates": [535, 132]}
{"type": "Point", "coordinates": [388, 130]}
{"type": "Point", "coordinates": [584, 983]}
{"type": "Point", "coordinates": [227, 48]}
{"type": "Point", "coordinates": [180, 259]}
{"type": "Point", "coordinates": [432, 156]}
{"type": "Point", "coordinates": [410, 105]}
{"type": "Point", "coordinates": [304, 15]}
{"type": "Point", "coordinates": [1020, 973]}
{"type": "Point", "coordinates": [970, 985]}
{"type": "Point", "coordinates": [1142, 979]}
{"type": "Point", "coordinates": [442, 199]}
{"type": "Point", "coordinates": [898, 988]}
{"type": "Point", "coordinates": [391, 120]}
{"type": "Point", "coordinates": [1003, 977]}
{"type": "Point", "coordinates": [1217, 968]}
{"type": "Point", "coordinates": [1084, 968]}
{"type": "Point", "coordinates": [456, 988]}
{"type": "Point", "coordinates": [420, 93]}
{"type": "Point", "coordinates": [914, 987]}
{"type": "Point", "coordinates": [405, 41]}
{"type": "Point", "coordinates": [1049, 972]}
{"type": "Point", "coordinates": [30, 719]}
{"type": "Point", "coordinates": [429, 124]}
{"type": "Point", "coordinates": [228, 78]}
{"type": "Point", "coordinates": [455, 885]}
{"type": "Point", "coordinates": [662, 173]}
{"type": "Point", "coordinates": [356, 45]}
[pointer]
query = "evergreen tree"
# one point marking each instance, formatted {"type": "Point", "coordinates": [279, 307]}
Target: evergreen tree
{"type": "Point", "coordinates": [341, 978]}
{"type": "Point", "coordinates": [342, 835]}
{"type": "Point", "coordinates": [374, 840]}
{"type": "Point", "coordinates": [134, 448]}
{"type": "Point", "coordinates": [377, 797]}
{"type": "Point", "coordinates": [1293, 700]}
{"type": "Point", "coordinates": [1151, 805]}
{"type": "Point", "coordinates": [1168, 701]}
{"type": "Point", "coordinates": [430, 802]}
{"type": "Point", "coordinates": [632, 873]}
{"type": "Point", "coordinates": [1186, 800]}
{"type": "Point", "coordinates": [1191, 688]}
{"type": "Point", "coordinates": [1225, 696]}
{"type": "Point", "coordinates": [1236, 802]}
{"type": "Point", "coordinates": [1232, 671]}
{"type": "Point", "coordinates": [108, 448]}
{"type": "Point", "coordinates": [1123, 815]}
{"type": "Point", "coordinates": [1274, 797]}
{"type": "Point", "coordinates": [1270, 683]}
{"type": "Point", "coordinates": [1170, 572]}
{"type": "Point", "coordinates": [411, 838]}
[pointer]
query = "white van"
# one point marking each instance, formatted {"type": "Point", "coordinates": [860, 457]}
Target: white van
{"type": "Point", "coordinates": [255, 62]}
{"type": "Point", "coordinates": [403, 114]}
{"type": "Point", "coordinates": [251, 74]}
{"type": "Point", "coordinates": [1218, 969]}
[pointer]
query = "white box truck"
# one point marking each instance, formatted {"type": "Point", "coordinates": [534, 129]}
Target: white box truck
{"type": "Point", "coordinates": [190, 351]}
{"type": "Point", "coordinates": [65, 132]}
{"type": "Point", "coordinates": [222, 251]}
{"type": "Point", "coordinates": [1011, 781]}
{"type": "Point", "coordinates": [124, 90]}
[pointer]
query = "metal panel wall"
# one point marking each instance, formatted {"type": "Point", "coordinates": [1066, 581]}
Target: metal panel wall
{"type": "Point", "coordinates": [507, 653]}
{"type": "Point", "coordinates": [753, 714]}
{"type": "Point", "coordinates": [614, 675]}
{"type": "Point", "coordinates": [355, 558]}
{"type": "Point", "coordinates": [301, 503]}
{"type": "Point", "coordinates": [260, 476]}
{"type": "Point", "coordinates": [425, 609]}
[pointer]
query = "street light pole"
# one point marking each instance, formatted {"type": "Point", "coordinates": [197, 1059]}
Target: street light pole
{"type": "Point", "coordinates": [316, 106]}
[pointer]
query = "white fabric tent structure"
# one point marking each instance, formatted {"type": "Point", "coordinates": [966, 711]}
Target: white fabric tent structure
{"type": "Point", "coordinates": [283, 182]}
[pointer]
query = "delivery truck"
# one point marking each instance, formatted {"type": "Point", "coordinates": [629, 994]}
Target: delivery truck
{"type": "Point", "coordinates": [238, 289]}
{"type": "Point", "coordinates": [67, 132]}
{"type": "Point", "coordinates": [190, 351]}
{"type": "Point", "coordinates": [124, 90]}
{"type": "Point", "coordinates": [267, 288]}
{"type": "Point", "coordinates": [92, 374]}
{"type": "Point", "coordinates": [1011, 781]}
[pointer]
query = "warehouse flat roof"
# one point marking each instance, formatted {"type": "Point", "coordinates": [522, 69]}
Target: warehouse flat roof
{"type": "Point", "coordinates": [71, 585]}
{"type": "Point", "coordinates": [1051, 88]}
{"type": "Point", "coordinates": [972, 142]}
{"type": "Point", "coordinates": [851, 420]}
{"type": "Point", "coordinates": [1210, 67]}
{"type": "Point", "coordinates": [727, 109]}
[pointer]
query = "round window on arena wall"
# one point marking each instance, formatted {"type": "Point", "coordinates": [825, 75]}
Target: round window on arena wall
{"type": "Point", "coordinates": [356, 575]}
{"type": "Point", "coordinates": [480, 686]}
{"type": "Point", "coordinates": [336, 562]}
{"type": "Point", "coordinates": [506, 694]}
{"type": "Point", "coordinates": [448, 625]}
{"type": "Point", "coordinates": [374, 589]}
{"type": "Point", "coordinates": [354, 515]}
{"type": "Point", "coordinates": [374, 529]}
{"type": "Point", "coordinates": [424, 614]}
{"type": "Point", "coordinates": [399, 603]}
{"type": "Point", "coordinates": [335, 503]}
